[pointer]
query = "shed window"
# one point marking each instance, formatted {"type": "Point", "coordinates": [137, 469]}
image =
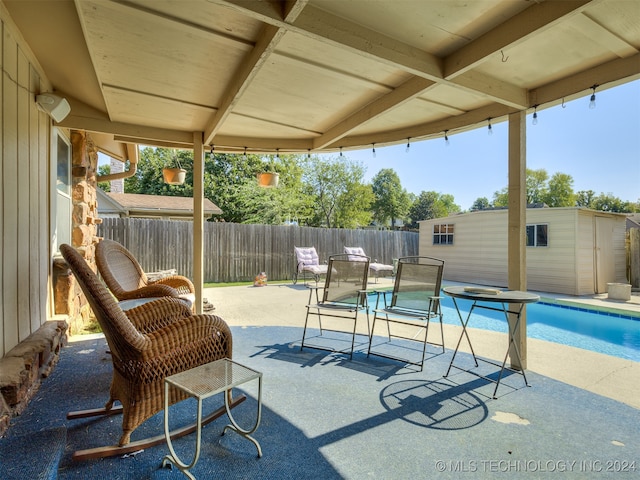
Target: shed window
{"type": "Point", "coordinates": [443, 234]}
{"type": "Point", "coordinates": [538, 235]}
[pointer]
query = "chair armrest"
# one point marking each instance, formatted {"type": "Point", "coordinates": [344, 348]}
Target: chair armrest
{"type": "Point", "coordinates": [150, 291]}
{"type": "Point", "coordinates": [314, 288]}
{"type": "Point", "coordinates": [158, 314]}
{"type": "Point", "coordinates": [180, 283]}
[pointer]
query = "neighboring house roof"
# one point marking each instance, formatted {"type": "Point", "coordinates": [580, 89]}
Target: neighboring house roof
{"type": "Point", "coordinates": [633, 220]}
{"type": "Point", "coordinates": [136, 203]}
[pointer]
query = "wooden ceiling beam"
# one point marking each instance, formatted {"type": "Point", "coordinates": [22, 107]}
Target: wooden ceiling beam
{"type": "Point", "coordinates": [405, 92]}
{"type": "Point", "coordinates": [322, 26]}
{"type": "Point", "coordinates": [532, 21]}
{"type": "Point", "coordinates": [249, 68]}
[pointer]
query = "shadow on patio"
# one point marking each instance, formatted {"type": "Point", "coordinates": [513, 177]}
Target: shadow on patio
{"type": "Point", "coordinates": [327, 417]}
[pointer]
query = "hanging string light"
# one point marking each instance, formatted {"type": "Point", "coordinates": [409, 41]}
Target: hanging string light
{"type": "Point", "coordinates": [446, 138]}
{"type": "Point", "coordinates": [592, 100]}
{"type": "Point", "coordinates": [406, 150]}
{"type": "Point", "coordinates": [373, 152]}
{"type": "Point", "coordinates": [244, 155]}
{"type": "Point", "coordinates": [341, 151]}
{"type": "Point", "coordinates": [212, 148]}
{"type": "Point", "coordinates": [278, 153]}
{"type": "Point", "coordinates": [490, 129]}
{"type": "Point", "coordinates": [535, 115]}
{"type": "Point", "coordinates": [308, 153]}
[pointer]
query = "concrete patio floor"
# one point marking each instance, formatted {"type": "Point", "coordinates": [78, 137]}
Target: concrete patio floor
{"type": "Point", "coordinates": [612, 377]}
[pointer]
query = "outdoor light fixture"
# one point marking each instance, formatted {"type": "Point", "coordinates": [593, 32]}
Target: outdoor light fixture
{"type": "Point", "coordinates": [244, 155]}
{"type": "Point", "coordinates": [592, 100]}
{"type": "Point", "coordinates": [446, 138]}
{"type": "Point", "coordinates": [373, 152]}
{"type": "Point", "coordinates": [56, 107]}
{"type": "Point", "coordinates": [535, 115]}
{"type": "Point", "coordinates": [406, 150]}
{"type": "Point", "coordinates": [341, 151]}
{"type": "Point", "coordinates": [490, 130]}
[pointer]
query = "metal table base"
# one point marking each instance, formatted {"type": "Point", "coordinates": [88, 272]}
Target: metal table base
{"type": "Point", "coordinates": [203, 382]}
{"type": "Point", "coordinates": [504, 299]}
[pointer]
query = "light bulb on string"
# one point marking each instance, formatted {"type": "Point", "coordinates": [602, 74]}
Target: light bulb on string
{"type": "Point", "coordinates": [406, 150]}
{"type": "Point", "coordinates": [490, 129]}
{"type": "Point", "coordinates": [341, 151]}
{"type": "Point", "coordinates": [244, 155]}
{"type": "Point", "coordinates": [308, 153]}
{"type": "Point", "coordinates": [592, 100]}
{"type": "Point", "coordinates": [373, 151]}
{"type": "Point", "coordinates": [278, 153]}
{"type": "Point", "coordinates": [535, 115]}
{"type": "Point", "coordinates": [446, 138]}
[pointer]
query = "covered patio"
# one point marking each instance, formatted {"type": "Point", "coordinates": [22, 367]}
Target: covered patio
{"type": "Point", "coordinates": [325, 416]}
{"type": "Point", "coordinates": [302, 76]}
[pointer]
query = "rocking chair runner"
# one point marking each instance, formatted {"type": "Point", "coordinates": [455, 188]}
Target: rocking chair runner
{"type": "Point", "coordinates": [147, 344]}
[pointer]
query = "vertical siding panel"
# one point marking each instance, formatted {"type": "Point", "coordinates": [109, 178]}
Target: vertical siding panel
{"type": "Point", "coordinates": [45, 264]}
{"type": "Point", "coordinates": [10, 190]}
{"type": "Point", "coordinates": [36, 296]}
{"type": "Point", "coordinates": [2, 100]}
{"type": "Point", "coordinates": [22, 206]}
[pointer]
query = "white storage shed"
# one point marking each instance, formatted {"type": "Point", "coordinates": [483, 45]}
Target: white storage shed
{"type": "Point", "coordinates": [574, 251]}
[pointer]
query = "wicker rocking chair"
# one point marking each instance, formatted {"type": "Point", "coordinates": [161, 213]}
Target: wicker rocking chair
{"type": "Point", "coordinates": [125, 278]}
{"type": "Point", "coordinates": [148, 343]}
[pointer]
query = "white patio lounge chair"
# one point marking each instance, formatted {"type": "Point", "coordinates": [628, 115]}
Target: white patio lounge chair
{"type": "Point", "coordinates": [376, 268]}
{"type": "Point", "coordinates": [307, 261]}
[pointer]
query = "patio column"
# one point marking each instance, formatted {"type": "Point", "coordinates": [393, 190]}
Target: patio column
{"type": "Point", "coordinates": [198, 217]}
{"type": "Point", "coordinates": [516, 248]}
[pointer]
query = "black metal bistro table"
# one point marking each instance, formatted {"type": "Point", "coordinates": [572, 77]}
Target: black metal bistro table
{"type": "Point", "coordinates": [480, 297]}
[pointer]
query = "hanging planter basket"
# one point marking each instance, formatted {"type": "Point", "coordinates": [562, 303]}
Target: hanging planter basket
{"type": "Point", "coordinates": [174, 176]}
{"type": "Point", "coordinates": [268, 180]}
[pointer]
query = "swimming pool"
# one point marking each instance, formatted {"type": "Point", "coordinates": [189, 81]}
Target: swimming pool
{"type": "Point", "coordinates": [602, 332]}
{"type": "Point", "coordinates": [611, 334]}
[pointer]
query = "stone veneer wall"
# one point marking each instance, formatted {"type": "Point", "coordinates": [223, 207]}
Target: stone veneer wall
{"type": "Point", "coordinates": [68, 297]}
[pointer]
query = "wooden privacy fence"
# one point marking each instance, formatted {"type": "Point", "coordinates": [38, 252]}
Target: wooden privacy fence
{"type": "Point", "coordinates": [237, 252]}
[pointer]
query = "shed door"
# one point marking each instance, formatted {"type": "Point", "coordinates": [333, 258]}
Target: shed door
{"type": "Point", "coordinates": [605, 262]}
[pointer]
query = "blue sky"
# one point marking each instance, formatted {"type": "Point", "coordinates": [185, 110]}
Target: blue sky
{"type": "Point", "coordinates": [599, 148]}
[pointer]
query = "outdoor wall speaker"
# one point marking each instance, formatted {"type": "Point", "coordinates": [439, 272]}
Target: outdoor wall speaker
{"type": "Point", "coordinates": [57, 107]}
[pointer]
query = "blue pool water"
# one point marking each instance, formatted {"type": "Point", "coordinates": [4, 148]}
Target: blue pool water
{"type": "Point", "coordinates": [611, 334]}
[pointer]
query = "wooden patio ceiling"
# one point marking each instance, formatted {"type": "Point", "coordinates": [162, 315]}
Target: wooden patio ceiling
{"type": "Point", "coordinates": [321, 75]}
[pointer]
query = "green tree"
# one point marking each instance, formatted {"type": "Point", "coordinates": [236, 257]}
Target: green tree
{"type": "Point", "coordinates": [391, 200]}
{"type": "Point", "coordinates": [554, 192]}
{"type": "Point", "coordinates": [559, 192]}
{"type": "Point", "coordinates": [537, 189]}
{"type": "Point", "coordinates": [584, 198]}
{"type": "Point", "coordinates": [501, 198]}
{"type": "Point", "coordinates": [338, 192]}
{"type": "Point", "coordinates": [481, 203]}
{"type": "Point", "coordinates": [431, 205]}
{"type": "Point", "coordinates": [104, 170]}
{"type": "Point", "coordinates": [609, 203]}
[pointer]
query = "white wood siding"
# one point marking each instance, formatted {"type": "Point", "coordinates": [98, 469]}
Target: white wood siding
{"type": "Point", "coordinates": [566, 265]}
{"type": "Point", "coordinates": [24, 204]}
{"type": "Point", "coordinates": [585, 255]}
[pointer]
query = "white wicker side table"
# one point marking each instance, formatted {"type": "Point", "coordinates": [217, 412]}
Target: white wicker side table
{"type": "Point", "coordinates": [203, 382]}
